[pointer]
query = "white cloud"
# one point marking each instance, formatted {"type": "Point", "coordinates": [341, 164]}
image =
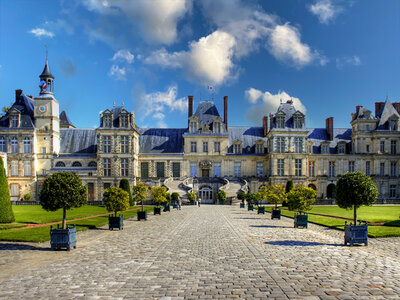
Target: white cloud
{"type": "Point", "coordinates": [325, 10]}
{"type": "Point", "coordinates": [41, 32]}
{"type": "Point", "coordinates": [266, 103]}
{"type": "Point", "coordinates": [348, 60]}
{"type": "Point", "coordinates": [156, 19]}
{"type": "Point", "coordinates": [123, 55]}
{"type": "Point", "coordinates": [117, 73]}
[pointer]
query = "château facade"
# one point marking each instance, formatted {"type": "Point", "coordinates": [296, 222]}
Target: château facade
{"type": "Point", "coordinates": [206, 154]}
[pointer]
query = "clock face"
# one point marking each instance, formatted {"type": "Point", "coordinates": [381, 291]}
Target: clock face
{"type": "Point", "coordinates": [42, 108]}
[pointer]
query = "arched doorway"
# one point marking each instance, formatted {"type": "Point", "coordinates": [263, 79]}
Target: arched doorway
{"type": "Point", "coordinates": [330, 191]}
{"type": "Point", "coordinates": [311, 185]}
{"type": "Point", "coordinates": [206, 195]}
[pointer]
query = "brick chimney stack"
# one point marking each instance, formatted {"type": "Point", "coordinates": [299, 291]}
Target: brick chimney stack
{"type": "Point", "coordinates": [226, 112]}
{"type": "Point", "coordinates": [329, 127]}
{"type": "Point", "coordinates": [18, 93]}
{"type": "Point", "coordinates": [265, 125]}
{"type": "Point", "coordinates": [378, 107]}
{"type": "Point", "coordinates": [396, 106]}
{"type": "Point", "coordinates": [190, 106]}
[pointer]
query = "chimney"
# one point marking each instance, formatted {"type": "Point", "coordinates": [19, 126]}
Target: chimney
{"type": "Point", "coordinates": [329, 127]}
{"type": "Point", "coordinates": [358, 109]}
{"type": "Point", "coordinates": [396, 106]}
{"type": "Point", "coordinates": [378, 107]}
{"type": "Point", "coordinates": [226, 112]}
{"type": "Point", "coordinates": [265, 125]}
{"type": "Point", "coordinates": [190, 108]}
{"type": "Point", "coordinates": [17, 94]}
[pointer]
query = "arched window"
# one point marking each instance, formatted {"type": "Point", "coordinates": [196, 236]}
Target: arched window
{"type": "Point", "coordinates": [76, 164]}
{"type": "Point", "coordinates": [92, 164]}
{"type": "Point", "coordinates": [60, 164]}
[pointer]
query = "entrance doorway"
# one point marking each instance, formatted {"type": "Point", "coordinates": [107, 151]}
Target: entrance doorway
{"type": "Point", "coordinates": [330, 191]}
{"type": "Point", "coordinates": [90, 187]}
{"type": "Point", "coordinates": [206, 195]}
{"type": "Point", "coordinates": [205, 172]}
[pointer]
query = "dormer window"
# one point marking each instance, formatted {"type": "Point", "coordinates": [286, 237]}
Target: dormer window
{"type": "Point", "coordinates": [341, 148]}
{"type": "Point", "coordinates": [259, 148]}
{"type": "Point", "coordinates": [193, 127]}
{"type": "Point", "coordinates": [392, 125]}
{"type": "Point", "coordinates": [298, 122]}
{"type": "Point", "coordinates": [217, 127]}
{"type": "Point", "coordinates": [107, 121]}
{"type": "Point", "coordinates": [123, 121]}
{"type": "Point", "coordinates": [324, 148]}
{"type": "Point", "coordinates": [14, 121]}
{"type": "Point", "coordinates": [280, 122]}
{"type": "Point", "coordinates": [237, 147]}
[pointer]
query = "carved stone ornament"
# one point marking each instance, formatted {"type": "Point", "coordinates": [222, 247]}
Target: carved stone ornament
{"type": "Point", "coordinates": [205, 164]}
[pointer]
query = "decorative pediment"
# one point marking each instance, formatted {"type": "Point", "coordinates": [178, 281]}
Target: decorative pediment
{"type": "Point", "coordinates": [280, 114]}
{"type": "Point", "coordinates": [298, 113]}
{"type": "Point", "coordinates": [124, 112]}
{"type": "Point", "coordinates": [14, 111]}
{"type": "Point", "coordinates": [205, 164]}
{"type": "Point", "coordinates": [217, 119]}
{"type": "Point", "coordinates": [107, 111]}
{"type": "Point", "coordinates": [194, 118]}
{"type": "Point", "coordinates": [237, 141]}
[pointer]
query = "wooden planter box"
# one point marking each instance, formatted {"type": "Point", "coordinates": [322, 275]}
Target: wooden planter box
{"type": "Point", "coordinates": [221, 202]}
{"type": "Point", "coordinates": [241, 205]}
{"type": "Point", "coordinates": [142, 215]}
{"type": "Point", "coordinates": [115, 222]}
{"type": "Point", "coordinates": [157, 210]}
{"type": "Point", "coordinates": [167, 208]}
{"type": "Point", "coordinates": [261, 210]}
{"type": "Point", "coordinates": [192, 202]}
{"type": "Point", "coordinates": [300, 221]}
{"type": "Point", "coordinates": [63, 238]}
{"type": "Point", "coordinates": [175, 206]}
{"type": "Point", "coordinates": [250, 207]}
{"type": "Point", "coordinates": [355, 234]}
{"type": "Point", "coordinates": [275, 214]}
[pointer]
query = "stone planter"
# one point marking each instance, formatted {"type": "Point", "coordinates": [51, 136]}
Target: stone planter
{"type": "Point", "coordinates": [167, 208]}
{"type": "Point", "coordinates": [192, 203]}
{"type": "Point", "coordinates": [221, 202]}
{"type": "Point", "coordinates": [241, 205]}
{"type": "Point", "coordinates": [63, 238]}
{"type": "Point", "coordinates": [250, 207]}
{"type": "Point", "coordinates": [356, 234]}
{"type": "Point", "coordinates": [157, 210]}
{"type": "Point", "coordinates": [142, 215]}
{"type": "Point", "coordinates": [300, 221]}
{"type": "Point", "coordinates": [275, 214]}
{"type": "Point", "coordinates": [261, 210]}
{"type": "Point", "coordinates": [115, 222]}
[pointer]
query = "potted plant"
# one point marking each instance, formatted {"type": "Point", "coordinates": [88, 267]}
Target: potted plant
{"type": "Point", "coordinates": [353, 190]}
{"type": "Point", "coordinates": [250, 198]}
{"type": "Point", "coordinates": [116, 199]}
{"type": "Point", "coordinates": [174, 199]}
{"type": "Point", "coordinates": [221, 197]}
{"type": "Point", "coordinates": [6, 210]}
{"type": "Point", "coordinates": [159, 196]}
{"type": "Point", "coordinates": [63, 190]}
{"type": "Point", "coordinates": [260, 195]}
{"type": "Point", "coordinates": [301, 199]}
{"type": "Point", "coordinates": [167, 204]}
{"type": "Point", "coordinates": [192, 198]}
{"type": "Point", "coordinates": [27, 197]}
{"type": "Point", "coordinates": [241, 196]}
{"type": "Point", "coordinates": [140, 192]}
{"type": "Point", "coordinates": [124, 184]}
{"type": "Point", "coordinates": [274, 194]}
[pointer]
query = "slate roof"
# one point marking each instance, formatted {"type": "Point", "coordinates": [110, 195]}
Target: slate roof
{"type": "Point", "coordinates": [206, 112]}
{"type": "Point", "coordinates": [289, 110]}
{"type": "Point", "coordinates": [116, 110]}
{"type": "Point", "coordinates": [46, 71]}
{"type": "Point", "coordinates": [24, 105]}
{"type": "Point", "coordinates": [78, 141]}
{"type": "Point", "coordinates": [161, 140]}
{"type": "Point", "coordinates": [248, 136]}
{"type": "Point", "coordinates": [64, 120]}
{"type": "Point", "coordinates": [363, 113]}
{"type": "Point", "coordinates": [387, 112]}
{"type": "Point", "coordinates": [320, 135]}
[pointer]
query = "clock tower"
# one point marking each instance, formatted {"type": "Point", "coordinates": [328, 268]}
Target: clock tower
{"type": "Point", "coordinates": [47, 121]}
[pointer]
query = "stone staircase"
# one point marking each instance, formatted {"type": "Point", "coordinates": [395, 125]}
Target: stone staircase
{"type": "Point", "coordinates": [232, 188]}
{"type": "Point", "coordinates": [176, 186]}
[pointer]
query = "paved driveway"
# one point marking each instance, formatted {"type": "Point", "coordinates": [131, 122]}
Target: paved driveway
{"type": "Point", "coordinates": [208, 252]}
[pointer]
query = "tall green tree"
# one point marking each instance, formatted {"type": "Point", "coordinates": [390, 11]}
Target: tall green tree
{"type": "Point", "coordinates": [301, 198]}
{"type": "Point", "coordinates": [355, 189]}
{"type": "Point", "coordinates": [140, 192]}
{"type": "Point", "coordinates": [289, 185]}
{"type": "Point", "coordinates": [116, 199]}
{"type": "Point", "coordinates": [6, 212]}
{"type": "Point", "coordinates": [124, 184]}
{"type": "Point", "coordinates": [63, 190]}
{"type": "Point", "coordinates": [159, 194]}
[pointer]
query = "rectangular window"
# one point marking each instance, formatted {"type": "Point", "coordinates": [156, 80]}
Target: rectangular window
{"type": "Point", "coordinates": [298, 143]}
{"type": "Point", "coordinates": [382, 169]}
{"type": "Point", "coordinates": [392, 125]}
{"type": "Point", "coordinates": [106, 185]}
{"type": "Point", "coordinates": [309, 148]}
{"type": "Point", "coordinates": [298, 122]}
{"type": "Point", "coordinates": [14, 191]}
{"type": "Point", "coordinates": [217, 147]}
{"type": "Point", "coordinates": [237, 148]}
{"type": "Point", "coordinates": [2, 145]}
{"type": "Point", "coordinates": [193, 127]}
{"type": "Point", "coordinates": [280, 168]}
{"type": "Point", "coordinates": [27, 168]}
{"type": "Point", "coordinates": [205, 147]}
{"type": "Point", "coordinates": [193, 147]}
{"type": "Point", "coordinates": [341, 149]}
{"type": "Point", "coordinates": [298, 167]}
{"type": "Point", "coordinates": [325, 149]}
{"type": "Point", "coordinates": [280, 122]}
{"type": "Point", "coordinates": [107, 121]}
{"type": "Point", "coordinates": [14, 168]}
{"type": "Point", "coordinates": [217, 127]}
{"type": "Point", "coordinates": [351, 166]}
{"type": "Point", "coordinates": [393, 146]}
{"type": "Point", "coordinates": [44, 150]}
{"type": "Point", "coordinates": [260, 167]}
{"type": "Point", "coordinates": [107, 144]}
{"type": "Point", "coordinates": [27, 145]}
{"type": "Point", "coordinates": [237, 169]}
{"type": "Point", "coordinates": [124, 121]}
{"type": "Point", "coordinates": [14, 121]}
{"type": "Point", "coordinates": [217, 170]}
{"type": "Point", "coordinates": [393, 167]}
{"type": "Point", "coordinates": [176, 169]}
{"type": "Point", "coordinates": [367, 148]}
{"type": "Point", "coordinates": [382, 147]}
{"type": "Point", "coordinates": [144, 169]}
{"type": "Point", "coordinates": [14, 145]}
{"type": "Point", "coordinates": [107, 167]}
{"type": "Point", "coordinates": [124, 167]}
{"type": "Point", "coordinates": [259, 148]}
{"type": "Point", "coordinates": [280, 144]}
{"type": "Point", "coordinates": [311, 168]}
{"type": "Point", "coordinates": [193, 169]}
{"type": "Point", "coordinates": [331, 169]}
{"type": "Point", "coordinates": [160, 169]}
{"type": "Point", "coordinates": [367, 127]}
{"type": "Point", "coordinates": [392, 191]}
{"type": "Point", "coordinates": [368, 168]}
{"type": "Point", "coordinates": [124, 144]}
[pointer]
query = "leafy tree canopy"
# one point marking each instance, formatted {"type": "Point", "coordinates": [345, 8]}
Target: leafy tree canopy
{"type": "Point", "coordinates": [289, 186]}
{"type": "Point", "coordinates": [301, 198]}
{"type": "Point", "coordinates": [140, 192]}
{"type": "Point", "coordinates": [116, 199]}
{"type": "Point", "coordinates": [273, 193]}
{"type": "Point", "coordinates": [175, 196]}
{"type": "Point", "coordinates": [159, 194]}
{"type": "Point", "coordinates": [221, 195]}
{"type": "Point", "coordinates": [252, 197]}
{"type": "Point", "coordinates": [241, 195]}
{"type": "Point", "coordinates": [192, 196]}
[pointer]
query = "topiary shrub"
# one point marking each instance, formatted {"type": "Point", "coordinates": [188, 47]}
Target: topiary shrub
{"type": "Point", "coordinates": [6, 212]}
{"type": "Point", "coordinates": [125, 185]}
{"type": "Point", "coordinates": [192, 196]}
{"type": "Point", "coordinates": [116, 199]}
{"type": "Point", "coordinates": [140, 192]}
{"type": "Point", "coordinates": [63, 190]}
{"type": "Point", "coordinates": [159, 194]}
{"type": "Point", "coordinates": [168, 197]}
{"type": "Point", "coordinates": [221, 196]}
{"type": "Point", "coordinates": [27, 197]}
{"type": "Point", "coordinates": [273, 194]}
{"type": "Point", "coordinates": [355, 189]}
{"type": "Point", "coordinates": [174, 196]}
{"type": "Point", "coordinates": [301, 199]}
{"type": "Point", "coordinates": [241, 196]}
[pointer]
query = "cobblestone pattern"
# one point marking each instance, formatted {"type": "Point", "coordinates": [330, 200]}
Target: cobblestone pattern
{"type": "Point", "coordinates": [209, 252]}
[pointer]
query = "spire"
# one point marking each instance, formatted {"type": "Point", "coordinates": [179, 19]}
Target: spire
{"type": "Point", "coordinates": [46, 72]}
{"type": "Point", "coordinates": [46, 79]}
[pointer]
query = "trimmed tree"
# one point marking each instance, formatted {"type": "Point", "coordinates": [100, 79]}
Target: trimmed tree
{"type": "Point", "coordinates": [289, 186]}
{"type": "Point", "coordinates": [124, 184]}
{"type": "Point", "coordinates": [192, 196]}
{"type": "Point", "coordinates": [355, 189]}
{"type": "Point", "coordinates": [140, 192]}
{"type": "Point", "coordinates": [221, 196]}
{"type": "Point", "coordinates": [241, 196]}
{"type": "Point", "coordinates": [6, 211]}
{"type": "Point", "coordinates": [174, 196]}
{"type": "Point", "coordinates": [251, 198]}
{"type": "Point", "coordinates": [273, 193]}
{"type": "Point", "coordinates": [63, 190]}
{"type": "Point", "coordinates": [301, 198]}
{"type": "Point", "coordinates": [116, 199]}
{"type": "Point", "coordinates": [159, 194]}
{"type": "Point", "coordinates": [27, 197]}
{"type": "Point", "coordinates": [168, 196]}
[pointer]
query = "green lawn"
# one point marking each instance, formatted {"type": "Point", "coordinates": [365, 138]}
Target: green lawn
{"type": "Point", "coordinates": [42, 234]}
{"type": "Point", "coordinates": [377, 214]}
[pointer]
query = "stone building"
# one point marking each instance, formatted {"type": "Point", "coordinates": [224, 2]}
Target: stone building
{"type": "Point", "coordinates": [205, 155]}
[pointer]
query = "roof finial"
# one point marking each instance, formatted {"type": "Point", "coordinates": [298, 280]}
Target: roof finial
{"type": "Point", "coordinates": [123, 103]}
{"type": "Point", "coordinates": [281, 100]}
{"type": "Point", "coordinates": [387, 95]}
{"type": "Point", "coordinates": [114, 103]}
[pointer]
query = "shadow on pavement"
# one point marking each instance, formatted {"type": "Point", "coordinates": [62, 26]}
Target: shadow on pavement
{"type": "Point", "coordinates": [248, 218]}
{"type": "Point", "coordinates": [301, 243]}
{"type": "Point", "coordinates": [270, 226]}
{"type": "Point", "coordinates": [17, 246]}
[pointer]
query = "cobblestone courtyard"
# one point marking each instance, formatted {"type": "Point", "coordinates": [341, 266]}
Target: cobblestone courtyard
{"type": "Point", "coordinates": [208, 252]}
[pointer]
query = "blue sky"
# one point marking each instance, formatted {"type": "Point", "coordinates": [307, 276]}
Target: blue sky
{"type": "Point", "coordinates": [327, 55]}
